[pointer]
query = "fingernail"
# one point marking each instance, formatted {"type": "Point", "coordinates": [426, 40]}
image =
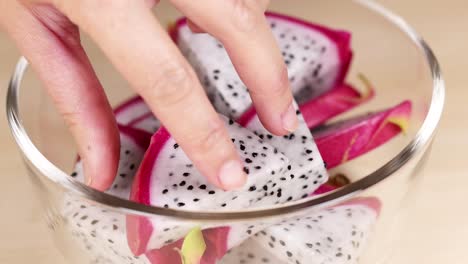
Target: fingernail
{"type": "Point", "coordinates": [231, 175]}
{"type": "Point", "coordinates": [289, 119]}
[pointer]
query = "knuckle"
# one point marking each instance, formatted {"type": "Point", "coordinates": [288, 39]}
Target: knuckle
{"type": "Point", "coordinates": [87, 12]}
{"type": "Point", "coordinates": [245, 17]}
{"type": "Point", "coordinates": [210, 140]}
{"type": "Point", "coordinates": [275, 87]}
{"type": "Point", "coordinates": [171, 84]}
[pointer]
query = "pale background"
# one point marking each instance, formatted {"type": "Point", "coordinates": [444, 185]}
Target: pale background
{"type": "Point", "coordinates": [440, 228]}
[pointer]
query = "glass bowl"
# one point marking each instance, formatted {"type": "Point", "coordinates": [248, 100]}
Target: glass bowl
{"type": "Point", "coordinates": [90, 227]}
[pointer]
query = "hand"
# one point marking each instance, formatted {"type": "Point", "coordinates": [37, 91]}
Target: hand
{"type": "Point", "coordinates": [46, 32]}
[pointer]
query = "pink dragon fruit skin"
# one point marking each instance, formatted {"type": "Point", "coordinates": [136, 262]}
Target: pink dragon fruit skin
{"type": "Point", "coordinates": [337, 101]}
{"type": "Point", "coordinates": [349, 139]}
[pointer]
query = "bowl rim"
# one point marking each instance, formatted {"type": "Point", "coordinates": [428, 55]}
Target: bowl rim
{"type": "Point", "coordinates": [61, 179]}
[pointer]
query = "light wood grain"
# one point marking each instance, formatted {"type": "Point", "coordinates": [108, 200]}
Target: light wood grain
{"type": "Point", "coordinates": [439, 232]}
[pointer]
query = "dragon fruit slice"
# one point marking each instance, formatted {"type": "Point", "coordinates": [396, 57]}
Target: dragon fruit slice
{"type": "Point", "coordinates": [317, 59]}
{"type": "Point", "coordinates": [99, 232]}
{"type": "Point", "coordinates": [168, 179]}
{"type": "Point", "coordinates": [102, 233]}
{"type": "Point", "coordinates": [349, 139]}
{"type": "Point", "coordinates": [331, 236]}
{"type": "Point", "coordinates": [133, 146]}
{"type": "Point", "coordinates": [308, 171]}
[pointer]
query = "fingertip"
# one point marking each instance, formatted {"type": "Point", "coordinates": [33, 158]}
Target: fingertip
{"type": "Point", "coordinates": [101, 160]}
{"type": "Point", "coordinates": [232, 175]}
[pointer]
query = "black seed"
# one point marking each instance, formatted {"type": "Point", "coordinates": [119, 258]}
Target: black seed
{"type": "Point", "coordinates": [171, 174]}
{"type": "Point", "coordinates": [94, 222]}
{"type": "Point", "coordinates": [110, 241]}
{"type": "Point", "coordinates": [339, 254]}
{"type": "Point", "coordinates": [246, 170]}
{"type": "Point", "coordinates": [305, 186]}
{"type": "Point", "coordinates": [165, 191]}
{"type": "Point", "coordinates": [308, 151]}
{"type": "Point", "coordinates": [235, 94]}
{"type": "Point", "coordinates": [211, 192]}
{"type": "Point", "coordinates": [252, 188]}
{"type": "Point", "coordinates": [242, 147]}
{"type": "Point", "coordinates": [247, 160]}
{"type": "Point", "coordinates": [203, 187]}
{"type": "Point", "coordinates": [181, 204]}
{"type": "Point", "coordinates": [127, 152]}
{"type": "Point", "coordinates": [123, 175]}
{"type": "Point", "coordinates": [263, 155]}
{"type": "Point", "coordinates": [115, 227]}
{"type": "Point", "coordinates": [249, 232]}
{"type": "Point", "coordinates": [305, 196]}
{"type": "Point", "coordinates": [216, 72]}
{"type": "Point", "coordinates": [84, 217]}
{"type": "Point", "coordinates": [190, 187]}
{"type": "Point", "coordinates": [310, 159]}
{"type": "Point", "coordinates": [283, 178]}
{"type": "Point", "coordinates": [265, 188]}
{"type": "Point", "coordinates": [230, 86]}
{"type": "Point", "coordinates": [330, 239]}
{"type": "Point", "coordinates": [176, 146]}
{"type": "Point", "coordinates": [216, 77]}
{"type": "Point", "coordinates": [74, 174]}
{"type": "Point", "coordinates": [231, 122]}
{"type": "Point", "coordinates": [269, 136]}
{"type": "Point", "coordinates": [166, 229]}
{"type": "Point", "coordinates": [223, 205]}
{"type": "Point", "coordinates": [132, 166]}
{"type": "Point", "coordinates": [271, 245]}
{"type": "Point", "coordinates": [182, 183]}
{"type": "Point", "coordinates": [196, 200]}
{"type": "Point", "coordinates": [258, 167]}
{"type": "Point", "coordinates": [289, 254]}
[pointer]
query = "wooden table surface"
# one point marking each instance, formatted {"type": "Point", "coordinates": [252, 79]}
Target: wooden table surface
{"type": "Point", "coordinates": [440, 229]}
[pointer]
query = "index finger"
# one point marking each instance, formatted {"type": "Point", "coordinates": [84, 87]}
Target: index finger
{"type": "Point", "coordinates": [142, 51]}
